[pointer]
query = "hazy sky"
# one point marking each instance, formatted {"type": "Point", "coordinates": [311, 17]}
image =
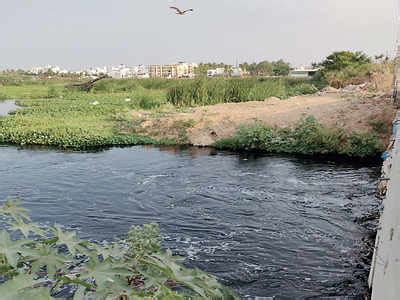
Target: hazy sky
{"type": "Point", "coordinates": [83, 33]}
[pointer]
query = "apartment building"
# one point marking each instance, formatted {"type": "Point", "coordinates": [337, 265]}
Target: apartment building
{"type": "Point", "coordinates": [179, 70]}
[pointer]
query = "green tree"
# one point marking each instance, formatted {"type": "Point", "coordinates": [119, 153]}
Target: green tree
{"type": "Point", "coordinates": [264, 68]}
{"type": "Point", "coordinates": [280, 68]}
{"type": "Point", "coordinates": [342, 59]}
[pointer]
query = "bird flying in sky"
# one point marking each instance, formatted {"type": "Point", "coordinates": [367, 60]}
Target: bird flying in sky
{"type": "Point", "coordinates": [181, 12]}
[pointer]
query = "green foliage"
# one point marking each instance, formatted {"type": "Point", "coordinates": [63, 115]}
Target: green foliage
{"type": "Point", "coordinates": [81, 120]}
{"type": "Point", "coordinates": [135, 268]}
{"type": "Point", "coordinates": [20, 287]}
{"type": "Point", "coordinates": [345, 67]}
{"type": "Point", "coordinates": [356, 74]}
{"type": "Point", "coordinates": [280, 68]}
{"type": "Point", "coordinates": [202, 68]}
{"type": "Point", "coordinates": [308, 137]}
{"type": "Point", "coordinates": [144, 240]}
{"type": "Point", "coordinates": [343, 59]}
{"type": "Point", "coordinates": [380, 126]}
{"type": "Point", "coordinates": [267, 68]}
{"type": "Point", "coordinates": [75, 122]}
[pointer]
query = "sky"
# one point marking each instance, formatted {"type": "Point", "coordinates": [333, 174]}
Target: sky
{"type": "Point", "coordinates": [77, 34]}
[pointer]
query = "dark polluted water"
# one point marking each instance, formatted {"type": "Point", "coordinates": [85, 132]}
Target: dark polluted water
{"type": "Point", "coordinates": [265, 225]}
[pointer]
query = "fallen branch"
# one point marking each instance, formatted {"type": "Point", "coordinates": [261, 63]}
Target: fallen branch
{"type": "Point", "coordinates": [86, 86]}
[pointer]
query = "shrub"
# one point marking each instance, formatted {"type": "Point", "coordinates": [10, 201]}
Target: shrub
{"type": "Point", "coordinates": [380, 126]}
{"type": "Point", "coordinates": [350, 75]}
{"type": "Point", "coordinates": [147, 101]}
{"type": "Point", "coordinates": [309, 137]}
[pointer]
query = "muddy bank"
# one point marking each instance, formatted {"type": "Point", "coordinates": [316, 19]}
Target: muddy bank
{"type": "Point", "coordinates": [203, 126]}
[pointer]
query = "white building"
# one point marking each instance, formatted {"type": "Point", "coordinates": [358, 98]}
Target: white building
{"type": "Point", "coordinates": [237, 72]}
{"type": "Point", "coordinates": [122, 71]}
{"type": "Point", "coordinates": [178, 70]}
{"type": "Point", "coordinates": [142, 72]}
{"type": "Point", "coordinates": [218, 72]}
{"type": "Point", "coordinates": [303, 72]}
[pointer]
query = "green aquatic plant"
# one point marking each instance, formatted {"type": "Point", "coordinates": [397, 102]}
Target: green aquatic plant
{"type": "Point", "coordinates": [36, 262]}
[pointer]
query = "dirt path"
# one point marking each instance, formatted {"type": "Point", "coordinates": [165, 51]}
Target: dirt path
{"type": "Point", "coordinates": [204, 125]}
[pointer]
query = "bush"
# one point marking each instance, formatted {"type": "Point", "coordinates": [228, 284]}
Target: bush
{"type": "Point", "coordinates": [350, 75]}
{"type": "Point", "coordinates": [309, 137]}
{"type": "Point", "coordinates": [380, 126]}
{"type": "Point", "coordinates": [345, 67]}
{"type": "Point", "coordinates": [147, 101]}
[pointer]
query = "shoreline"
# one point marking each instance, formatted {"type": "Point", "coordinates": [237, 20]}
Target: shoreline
{"type": "Point", "coordinates": [204, 125]}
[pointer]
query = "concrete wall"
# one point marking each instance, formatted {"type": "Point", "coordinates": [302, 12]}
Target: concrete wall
{"type": "Point", "coordinates": [385, 272]}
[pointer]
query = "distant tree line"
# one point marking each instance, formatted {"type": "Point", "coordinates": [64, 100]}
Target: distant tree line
{"type": "Point", "coordinates": [263, 68]}
{"type": "Point", "coordinates": [204, 67]}
{"type": "Point", "coordinates": [267, 68]}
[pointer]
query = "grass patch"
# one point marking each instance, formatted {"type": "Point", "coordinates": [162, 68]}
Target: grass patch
{"type": "Point", "coordinates": [308, 138]}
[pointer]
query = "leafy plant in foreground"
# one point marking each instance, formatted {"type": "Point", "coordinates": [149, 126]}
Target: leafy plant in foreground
{"type": "Point", "coordinates": [47, 263]}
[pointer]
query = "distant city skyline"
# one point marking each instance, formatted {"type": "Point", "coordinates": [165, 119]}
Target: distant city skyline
{"type": "Point", "coordinates": [78, 34]}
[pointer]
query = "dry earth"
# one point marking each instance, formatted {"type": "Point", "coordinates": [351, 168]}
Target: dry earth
{"type": "Point", "coordinates": [203, 126]}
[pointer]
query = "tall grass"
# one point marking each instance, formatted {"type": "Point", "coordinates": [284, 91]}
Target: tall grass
{"type": "Point", "coordinates": [202, 91]}
{"type": "Point", "coordinates": [222, 90]}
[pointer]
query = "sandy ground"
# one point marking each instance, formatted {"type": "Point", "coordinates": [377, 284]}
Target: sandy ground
{"type": "Point", "coordinates": [205, 125]}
